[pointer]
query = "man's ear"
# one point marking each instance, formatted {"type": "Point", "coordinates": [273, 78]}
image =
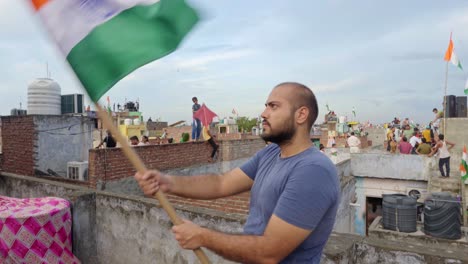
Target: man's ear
{"type": "Point", "coordinates": [302, 113]}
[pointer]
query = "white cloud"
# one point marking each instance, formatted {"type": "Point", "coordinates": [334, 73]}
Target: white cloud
{"type": "Point", "coordinates": [203, 60]}
{"type": "Point", "coordinates": [338, 85]}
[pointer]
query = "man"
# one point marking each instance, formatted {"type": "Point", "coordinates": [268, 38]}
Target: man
{"type": "Point", "coordinates": [209, 139]}
{"type": "Point", "coordinates": [134, 141]}
{"type": "Point", "coordinates": [415, 140]}
{"type": "Point", "coordinates": [404, 147]}
{"type": "Point", "coordinates": [435, 123]}
{"type": "Point", "coordinates": [294, 189]}
{"type": "Point", "coordinates": [196, 124]}
{"type": "Point", "coordinates": [109, 140]}
{"type": "Point", "coordinates": [444, 154]}
{"type": "Point", "coordinates": [427, 134]}
{"type": "Point", "coordinates": [424, 148]}
{"type": "Point", "coordinates": [353, 143]}
{"type": "Point", "coordinates": [390, 137]}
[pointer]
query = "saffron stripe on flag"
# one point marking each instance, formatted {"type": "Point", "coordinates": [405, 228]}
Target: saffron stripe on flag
{"type": "Point", "coordinates": [39, 3]}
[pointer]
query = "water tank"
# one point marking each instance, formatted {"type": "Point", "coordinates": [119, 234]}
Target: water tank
{"type": "Point", "coordinates": [399, 212]}
{"type": "Point", "coordinates": [44, 97]}
{"type": "Point", "coordinates": [442, 216]}
{"type": "Point", "coordinates": [136, 121]}
{"type": "Point", "coordinates": [128, 121]}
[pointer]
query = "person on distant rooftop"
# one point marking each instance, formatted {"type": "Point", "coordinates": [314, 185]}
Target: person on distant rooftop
{"type": "Point", "coordinates": [436, 122]}
{"type": "Point", "coordinates": [404, 147]}
{"type": "Point", "coordinates": [134, 141]}
{"type": "Point", "coordinates": [424, 148]}
{"type": "Point", "coordinates": [196, 124]}
{"type": "Point", "coordinates": [354, 143]}
{"type": "Point", "coordinates": [415, 140]}
{"type": "Point", "coordinates": [444, 154]}
{"type": "Point", "coordinates": [144, 141]}
{"type": "Point", "coordinates": [109, 140]}
{"type": "Point", "coordinates": [426, 133]}
{"type": "Point", "coordinates": [295, 190]}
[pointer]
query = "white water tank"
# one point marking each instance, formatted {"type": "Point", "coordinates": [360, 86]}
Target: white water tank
{"type": "Point", "coordinates": [136, 121]}
{"type": "Point", "coordinates": [44, 97]}
{"type": "Point", "coordinates": [128, 121]}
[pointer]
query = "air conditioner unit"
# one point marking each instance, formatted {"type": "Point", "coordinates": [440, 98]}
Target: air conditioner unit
{"type": "Point", "coordinates": [77, 170]}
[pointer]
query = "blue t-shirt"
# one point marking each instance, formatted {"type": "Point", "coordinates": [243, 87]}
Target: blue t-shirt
{"type": "Point", "coordinates": [302, 190]}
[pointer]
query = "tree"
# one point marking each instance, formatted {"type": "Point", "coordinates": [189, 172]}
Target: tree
{"type": "Point", "coordinates": [245, 124]}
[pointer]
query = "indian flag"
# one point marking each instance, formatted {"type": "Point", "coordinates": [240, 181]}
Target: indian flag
{"type": "Point", "coordinates": [451, 56]}
{"type": "Point", "coordinates": [106, 40]}
{"type": "Point", "coordinates": [464, 166]}
{"type": "Point", "coordinates": [466, 87]}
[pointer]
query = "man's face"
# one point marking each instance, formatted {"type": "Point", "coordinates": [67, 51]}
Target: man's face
{"type": "Point", "coordinates": [278, 117]}
{"type": "Point", "coordinates": [195, 101]}
{"type": "Point", "coordinates": [134, 141]}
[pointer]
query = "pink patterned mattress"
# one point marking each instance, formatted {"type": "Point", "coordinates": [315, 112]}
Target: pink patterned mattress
{"type": "Point", "coordinates": [35, 230]}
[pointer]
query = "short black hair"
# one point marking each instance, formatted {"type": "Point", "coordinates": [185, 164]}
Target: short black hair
{"type": "Point", "coordinates": [304, 97]}
{"type": "Point", "coordinates": [441, 136]}
{"type": "Point", "coordinates": [194, 98]}
{"type": "Point", "coordinates": [423, 140]}
{"type": "Point", "coordinates": [435, 109]}
{"type": "Point", "coordinates": [405, 139]}
{"type": "Point", "coordinates": [352, 133]}
{"type": "Point", "coordinates": [134, 138]}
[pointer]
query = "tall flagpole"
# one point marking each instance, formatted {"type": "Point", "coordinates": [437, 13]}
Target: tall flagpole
{"type": "Point", "coordinates": [445, 97]}
{"type": "Point", "coordinates": [445, 114]}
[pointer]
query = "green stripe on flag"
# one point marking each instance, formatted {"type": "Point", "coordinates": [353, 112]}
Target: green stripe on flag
{"type": "Point", "coordinates": [128, 41]}
{"type": "Point", "coordinates": [465, 167]}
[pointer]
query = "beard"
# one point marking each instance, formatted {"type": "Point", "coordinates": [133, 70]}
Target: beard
{"type": "Point", "coordinates": [284, 134]}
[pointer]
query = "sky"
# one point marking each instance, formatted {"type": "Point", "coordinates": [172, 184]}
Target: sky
{"type": "Point", "coordinates": [384, 58]}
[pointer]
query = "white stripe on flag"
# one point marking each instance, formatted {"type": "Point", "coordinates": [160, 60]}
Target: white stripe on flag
{"type": "Point", "coordinates": [70, 21]}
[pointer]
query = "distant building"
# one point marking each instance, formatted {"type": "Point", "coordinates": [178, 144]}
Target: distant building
{"type": "Point", "coordinates": [18, 112]}
{"type": "Point", "coordinates": [155, 125]}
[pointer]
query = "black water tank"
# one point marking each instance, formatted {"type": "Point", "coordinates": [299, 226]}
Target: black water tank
{"type": "Point", "coordinates": [450, 106]}
{"type": "Point", "coordinates": [399, 212]}
{"type": "Point", "coordinates": [442, 216]}
{"type": "Point", "coordinates": [461, 106]}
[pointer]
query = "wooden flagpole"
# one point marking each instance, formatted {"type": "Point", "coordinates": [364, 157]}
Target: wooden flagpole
{"type": "Point", "coordinates": [140, 166]}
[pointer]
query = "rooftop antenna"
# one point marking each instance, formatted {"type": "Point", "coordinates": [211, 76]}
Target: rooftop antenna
{"type": "Point", "coordinates": [48, 75]}
{"type": "Point", "coordinates": [20, 103]}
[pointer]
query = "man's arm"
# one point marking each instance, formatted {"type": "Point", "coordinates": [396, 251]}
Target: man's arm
{"type": "Point", "coordinates": [450, 143]}
{"type": "Point", "coordinates": [278, 241]}
{"type": "Point", "coordinates": [209, 186]}
{"type": "Point", "coordinates": [434, 149]}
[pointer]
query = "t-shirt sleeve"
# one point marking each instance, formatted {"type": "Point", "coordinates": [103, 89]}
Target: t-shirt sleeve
{"type": "Point", "coordinates": [309, 193]}
{"type": "Point", "coordinates": [251, 166]}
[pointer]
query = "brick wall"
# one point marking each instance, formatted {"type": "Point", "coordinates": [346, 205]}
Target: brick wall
{"type": "Point", "coordinates": [237, 204]}
{"type": "Point", "coordinates": [1, 162]}
{"type": "Point", "coordinates": [18, 138]}
{"type": "Point", "coordinates": [237, 149]}
{"type": "Point", "coordinates": [111, 164]}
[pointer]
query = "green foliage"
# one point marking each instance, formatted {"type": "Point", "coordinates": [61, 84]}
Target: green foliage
{"type": "Point", "coordinates": [245, 124]}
